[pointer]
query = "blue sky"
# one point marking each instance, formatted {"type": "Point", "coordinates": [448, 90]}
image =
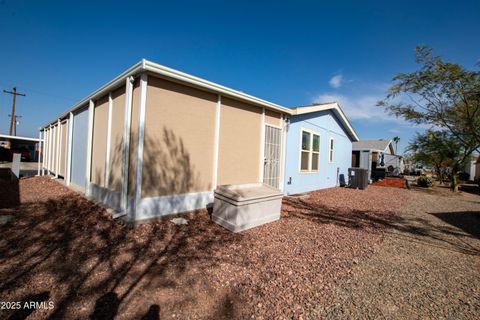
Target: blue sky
{"type": "Point", "coordinates": [290, 53]}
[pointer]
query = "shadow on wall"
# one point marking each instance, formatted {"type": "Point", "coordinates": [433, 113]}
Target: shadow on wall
{"type": "Point", "coordinates": [72, 248]}
{"type": "Point", "coordinates": [167, 167]}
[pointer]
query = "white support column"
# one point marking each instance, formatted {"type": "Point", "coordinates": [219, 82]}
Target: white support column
{"type": "Point", "coordinates": [126, 142]}
{"type": "Point", "coordinates": [216, 142]}
{"type": "Point", "coordinates": [44, 155]}
{"type": "Point", "coordinates": [39, 152]}
{"type": "Point", "coordinates": [109, 135]}
{"type": "Point", "coordinates": [262, 147]}
{"type": "Point", "coordinates": [69, 149]}
{"type": "Point", "coordinates": [57, 149]}
{"type": "Point", "coordinates": [89, 146]}
{"type": "Point", "coordinates": [284, 152]}
{"type": "Point", "coordinates": [141, 137]}
{"type": "Point", "coordinates": [50, 147]}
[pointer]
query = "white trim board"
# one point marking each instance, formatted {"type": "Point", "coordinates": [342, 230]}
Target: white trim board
{"type": "Point", "coordinates": [324, 107]}
{"type": "Point", "coordinates": [68, 167]}
{"type": "Point", "coordinates": [141, 137]}
{"type": "Point", "coordinates": [155, 207]}
{"type": "Point", "coordinates": [216, 142]}
{"type": "Point", "coordinates": [109, 137]}
{"type": "Point", "coordinates": [126, 143]}
{"type": "Point", "coordinates": [88, 168]}
{"type": "Point", "coordinates": [261, 168]}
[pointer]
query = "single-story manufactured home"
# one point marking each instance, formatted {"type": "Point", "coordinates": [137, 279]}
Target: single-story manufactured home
{"type": "Point", "coordinates": [378, 156]}
{"type": "Point", "coordinates": [155, 141]}
{"type": "Point", "coordinates": [319, 144]}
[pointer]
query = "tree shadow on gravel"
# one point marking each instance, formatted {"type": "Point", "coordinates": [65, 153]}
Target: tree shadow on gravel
{"type": "Point", "coordinates": [94, 267]}
{"type": "Point", "coordinates": [468, 221]}
{"type": "Point", "coordinates": [412, 229]}
{"type": "Point", "coordinates": [9, 189]}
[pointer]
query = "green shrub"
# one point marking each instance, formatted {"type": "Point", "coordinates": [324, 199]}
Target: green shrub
{"type": "Point", "coordinates": [425, 182]}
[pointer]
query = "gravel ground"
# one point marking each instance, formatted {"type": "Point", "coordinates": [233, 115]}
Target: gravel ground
{"type": "Point", "coordinates": [65, 249]}
{"type": "Point", "coordinates": [427, 267]}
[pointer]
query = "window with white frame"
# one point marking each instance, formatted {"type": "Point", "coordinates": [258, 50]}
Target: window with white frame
{"type": "Point", "coordinates": [330, 154]}
{"type": "Point", "coordinates": [310, 151]}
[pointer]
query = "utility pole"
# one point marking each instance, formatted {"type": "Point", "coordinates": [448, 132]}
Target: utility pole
{"type": "Point", "coordinates": [15, 124]}
{"type": "Point", "coordinates": [15, 94]}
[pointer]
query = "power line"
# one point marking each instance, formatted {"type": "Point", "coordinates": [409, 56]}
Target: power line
{"type": "Point", "coordinates": [15, 94]}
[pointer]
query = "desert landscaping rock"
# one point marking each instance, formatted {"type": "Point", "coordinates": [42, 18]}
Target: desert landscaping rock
{"type": "Point", "coordinates": [427, 267]}
{"type": "Point", "coordinates": [68, 250]}
{"type": "Point", "coordinates": [179, 221]}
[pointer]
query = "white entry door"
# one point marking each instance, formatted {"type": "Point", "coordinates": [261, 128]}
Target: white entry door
{"type": "Point", "coordinates": [273, 143]}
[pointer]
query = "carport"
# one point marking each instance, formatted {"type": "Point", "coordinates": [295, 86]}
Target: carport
{"type": "Point", "coordinates": [29, 148]}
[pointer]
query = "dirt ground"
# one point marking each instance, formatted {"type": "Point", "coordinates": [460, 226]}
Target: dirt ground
{"type": "Point", "coordinates": [64, 249]}
{"type": "Point", "coordinates": [427, 267]}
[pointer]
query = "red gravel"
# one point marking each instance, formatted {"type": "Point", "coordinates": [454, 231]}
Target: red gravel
{"type": "Point", "coordinates": [65, 249]}
{"type": "Point", "coordinates": [391, 182]}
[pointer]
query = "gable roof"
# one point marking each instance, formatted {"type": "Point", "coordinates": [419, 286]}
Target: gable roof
{"type": "Point", "coordinates": [376, 145]}
{"type": "Point", "coordinates": [332, 106]}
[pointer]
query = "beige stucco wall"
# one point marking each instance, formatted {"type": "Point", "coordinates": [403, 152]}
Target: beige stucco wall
{"type": "Point", "coordinates": [273, 118]}
{"type": "Point", "coordinates": [99, 141]}
{"type": "Point", "coordinates": [116, 142]}
{"type": "Point", "coordinates": [63, 147]}
{"type": "Point", "coordinates": [239, 148]}
{"type": "Point", "coordinates": [179, 139]}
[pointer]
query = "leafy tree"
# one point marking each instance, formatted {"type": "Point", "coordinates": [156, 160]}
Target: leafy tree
{"type": "Point", "coordinates": [440, 94]}
{"type": "Point", "coordinates": [441, 150]}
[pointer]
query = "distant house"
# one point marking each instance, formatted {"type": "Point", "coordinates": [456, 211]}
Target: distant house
{"type": "Point", "coordinates": [472, 166]}
{"type": "Point", "coordinates": [378, 156]}
{"type": "Point", "coordinates": [319, 145]}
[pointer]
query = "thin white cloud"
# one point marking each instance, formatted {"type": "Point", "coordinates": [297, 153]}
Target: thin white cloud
{"type": "Point", "coordinates": [336, 81]}
{"type": "Point", "coordinates": [362, 107]}
{"type": "Point", "coordinates": [365, 108]}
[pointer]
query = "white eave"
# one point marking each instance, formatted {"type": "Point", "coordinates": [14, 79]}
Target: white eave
{"type": "Point", "coordinates": [328, 106]}
{"type": "Point", "coordinates": [9, 137]}
{"type": "Point", "coordinates": [145, 65]}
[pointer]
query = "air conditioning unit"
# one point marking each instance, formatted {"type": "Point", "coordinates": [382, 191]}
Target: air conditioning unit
{"type": "Point", "coordinates": [358, 178]}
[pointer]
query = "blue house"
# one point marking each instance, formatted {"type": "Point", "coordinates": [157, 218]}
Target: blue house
{"type": "Point", "coordinates": [318, 148]}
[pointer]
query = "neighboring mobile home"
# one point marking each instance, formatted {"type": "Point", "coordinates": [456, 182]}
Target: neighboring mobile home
{"type": "Point", "coordinates": [156, 141]}
{"type": "Point", "coordinates": [378, 156]}
{"type": "Point", "coordinates": [472, 166]}
{"type": "Point", "coordinates": [319, 145]}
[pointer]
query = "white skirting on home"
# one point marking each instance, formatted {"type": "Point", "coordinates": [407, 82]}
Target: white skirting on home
{"type": "Point", "coordinates": [153, 207]}
{"type": "Point", "coordinates": [106, 196]}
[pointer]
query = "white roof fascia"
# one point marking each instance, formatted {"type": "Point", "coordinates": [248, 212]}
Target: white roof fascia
{"type": "Point", "coordinates": [328, 106]}
{"type": "Point", "coordinates": [185, 77]}
{"type": "Point", "coordinates": [6, 136]}
{"type": "Point", "coordinates": [145, 65]}
{"type": "Point", "coordinates": [101, 91]}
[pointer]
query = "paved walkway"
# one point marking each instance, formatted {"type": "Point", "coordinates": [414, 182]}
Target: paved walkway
{"type": "Point", "coordinates": [428, 266]}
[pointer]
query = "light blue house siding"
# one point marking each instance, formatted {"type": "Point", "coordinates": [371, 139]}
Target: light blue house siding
{"type": "Point", "coordinates": [79, 148]}
{"type": "Point", "coordinates": [325, 124]}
